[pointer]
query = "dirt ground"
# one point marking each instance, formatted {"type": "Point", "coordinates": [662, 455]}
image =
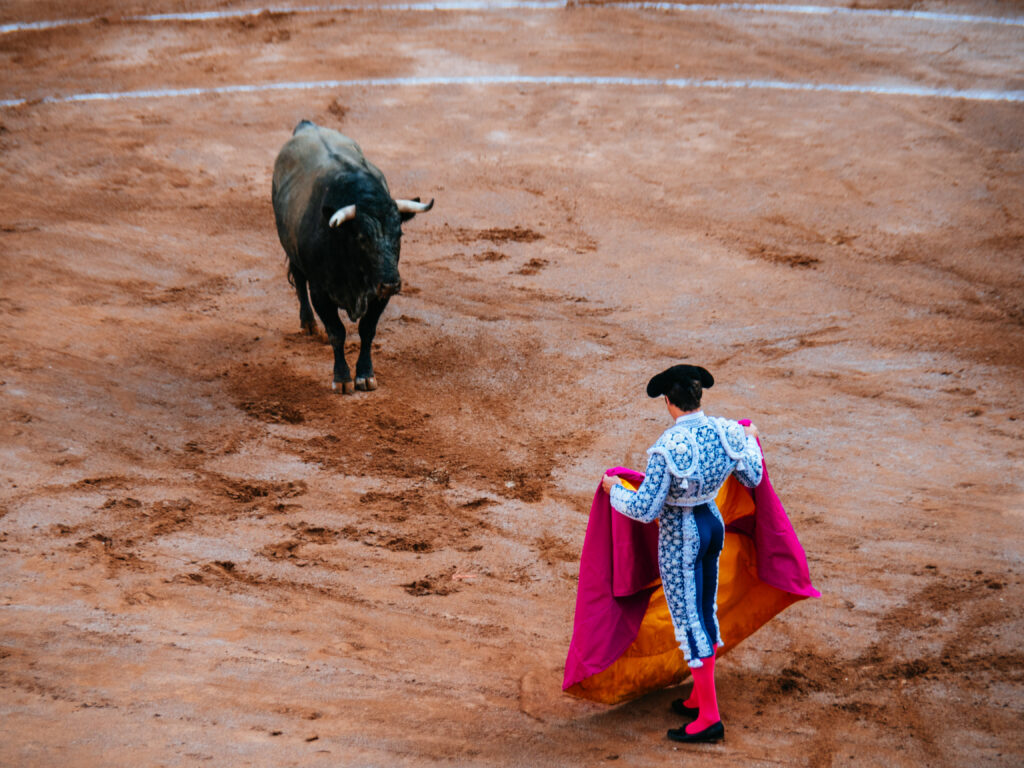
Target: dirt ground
{"type": "Point", "coordinates": [209, 558]}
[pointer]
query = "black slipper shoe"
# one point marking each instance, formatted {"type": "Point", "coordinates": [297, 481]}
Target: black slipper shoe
{"type": "Point", "coordinates": [714, 732]}
{"type": "Point", "coordinates": [680, 708]}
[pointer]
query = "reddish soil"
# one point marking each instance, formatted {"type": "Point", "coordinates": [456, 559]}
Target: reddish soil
{"type": "Point", "coordinates": [208, 557]}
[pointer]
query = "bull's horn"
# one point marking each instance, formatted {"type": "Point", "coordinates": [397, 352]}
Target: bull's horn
{"type": "Point", "coordinates": [342, 215]}
{"type": "Point", "coordinates": [413, 206]}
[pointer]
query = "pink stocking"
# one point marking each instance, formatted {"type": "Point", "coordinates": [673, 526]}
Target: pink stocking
{"type": "Point", "coordinates": [694, 701]}
{"type": "Point", "coordinates": [704, 689]}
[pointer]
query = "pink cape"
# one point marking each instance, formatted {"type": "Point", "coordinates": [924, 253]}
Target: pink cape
{"type": "Point", "coordinates": [619, 571]}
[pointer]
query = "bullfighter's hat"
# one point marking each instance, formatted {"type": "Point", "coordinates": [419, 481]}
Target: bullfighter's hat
{"type": "Point", "coordinates": [662, 383]}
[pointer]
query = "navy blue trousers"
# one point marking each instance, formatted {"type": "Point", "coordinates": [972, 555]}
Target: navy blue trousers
{"type": "Point", "coordinates": [689, 545]}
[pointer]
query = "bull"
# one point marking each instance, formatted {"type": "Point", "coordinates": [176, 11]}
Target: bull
{"type": "Point", "coordinates": [341, 231]}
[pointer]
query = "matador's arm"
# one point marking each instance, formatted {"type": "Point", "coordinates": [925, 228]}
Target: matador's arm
{"type": "Point", "coordinates": [645, 503]}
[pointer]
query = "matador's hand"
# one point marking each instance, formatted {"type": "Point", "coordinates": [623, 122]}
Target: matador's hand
{"type": "Point", "coordinates": [610, 481]}
{"type": "Point", "coordinates": [751, 430]}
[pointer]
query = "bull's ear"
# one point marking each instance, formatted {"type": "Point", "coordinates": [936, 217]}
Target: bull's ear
{"type": "Point", "coordinates": [409, 208]}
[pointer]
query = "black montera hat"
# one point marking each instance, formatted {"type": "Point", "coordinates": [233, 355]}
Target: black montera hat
{"type": "Point", "coordinates": [660, 384]}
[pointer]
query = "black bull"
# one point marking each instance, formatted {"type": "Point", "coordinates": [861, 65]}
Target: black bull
{"type": "Point", "coordinates": [341, 230]}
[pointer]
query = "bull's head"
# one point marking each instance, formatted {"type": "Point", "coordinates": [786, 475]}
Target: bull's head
{"type": "Point", "coordinates": [371, 229]}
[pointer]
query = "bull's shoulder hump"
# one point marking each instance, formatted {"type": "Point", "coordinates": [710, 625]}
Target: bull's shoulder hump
{"type": "Point", "coordinates": [339, 143]}
{"type": "Point", "coordinates": [308, 152]}
{"type": "Point", "coordinates": [318, 152]}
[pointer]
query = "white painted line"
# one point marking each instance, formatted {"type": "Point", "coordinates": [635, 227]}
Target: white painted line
{"type": "Point", "coordinates": [441, 5]}
{"type": "Point", "coordinates": [28, 26]}
{"type": "Point", "coordinates": [555, 80]}
{"type": "Point", "coordinates": [536, 5]}
{"type": "Point", "coordinates": [819, 10]}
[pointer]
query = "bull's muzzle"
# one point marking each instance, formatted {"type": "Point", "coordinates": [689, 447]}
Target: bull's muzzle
{"type": "Point", "coordinates": [386, 290]}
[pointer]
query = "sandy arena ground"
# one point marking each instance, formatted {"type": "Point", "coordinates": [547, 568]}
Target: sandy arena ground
{"type": "Point", "coordinates": [210, 559]}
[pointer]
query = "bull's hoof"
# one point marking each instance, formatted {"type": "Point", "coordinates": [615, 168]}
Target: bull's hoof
{"type": "Point", "coordinates": [309, 327]}
{"type": "Point", "coordinates": [367, 385]}
{"type": "Point", "coordinates": [347, 387]}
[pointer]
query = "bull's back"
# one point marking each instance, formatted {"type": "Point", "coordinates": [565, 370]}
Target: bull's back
{"type": "Point", "coordinates": [307, 161]}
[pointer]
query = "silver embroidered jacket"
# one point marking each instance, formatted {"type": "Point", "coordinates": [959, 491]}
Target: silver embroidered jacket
{"type": "Point", "coordinates": [688, 465]}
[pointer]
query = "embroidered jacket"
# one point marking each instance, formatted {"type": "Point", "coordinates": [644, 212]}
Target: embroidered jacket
{"type": "Point", "coordinates": [688, 465]}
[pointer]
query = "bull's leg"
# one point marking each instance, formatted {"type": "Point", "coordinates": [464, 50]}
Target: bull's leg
{"type": "Point", "coordinates": [328, 313]}
{"type": "Point", "coordinates": [306, 319]}
{"type": "Point", "coordinates": [367, 330]}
